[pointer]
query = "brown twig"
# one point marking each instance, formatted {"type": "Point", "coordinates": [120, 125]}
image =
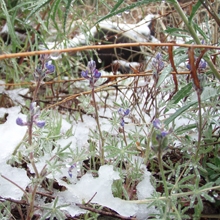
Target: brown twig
{"type": "Point", "coordinates": [101, 47]}
{"type": "Point", "coordinates": [102, 212]}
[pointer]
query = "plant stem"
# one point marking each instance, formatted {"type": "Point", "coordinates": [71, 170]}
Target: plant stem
{"type": "Point", "coordinates": [195, 36]}
{"type": "Point", "coordinates": [101, 145]}
{"type": "Point", "coordinates": [162, 172]}
{"type": "Point", "coordinates": [199, 123]}
{"type": "Point", "coordinates": [30, 211]}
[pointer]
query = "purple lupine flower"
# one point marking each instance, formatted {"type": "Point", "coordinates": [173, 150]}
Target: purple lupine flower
{"type": "Point", "coordinates": [70, 170]}
{"type": "Point", "coordinates": [122, 122]}
{"type": "Point", "coordinates": [46, 67]}
{"type": "Point", "coordinates": [92, 66]}
{"type": "Point", "coordinates": [164, 133]}
{"type": "Point", "coordinates": [126, 112]}
{"type": "Point", "coordinates": [50, 67]}
{"type": "Point", "coordinates": [122, 112]}
{"type": "Point", "coordinates": [96, 74]}
{"type": "Point", "coordinates": [157, 63]}
{"type": "Point", "coordinates": [20, 122]}
{"type": "Point", "coordinates": [91, 73]}
{"type": "Point", "coordinates": [156, 123]}
{"type": "Point", "coordinates": [40, 124]}
{"type": "Point", "coordinates": [33, 115]}
{"type": "Point", "coordinates": [202, 65]}
{"type": "Point", "coordinates": [84, 74]}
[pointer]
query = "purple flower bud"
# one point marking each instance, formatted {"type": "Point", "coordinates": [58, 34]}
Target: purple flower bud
{"type": "Point", "coordinates": [164, 133]}
{"type": "Point", "coordinates": [158, 63]}
{"type": "Point", "coordinates": [158, 56]}
{"type": "Point", "coordinates": [71, 169]}
{"type": "Point", "coordinates": [33, 106]}
{"type": "Point", "coordinates": [84, 74]}
{"type": "Point", "coordinates": [40, 124]}
{"type": "Point", "coordinates": [122, 122]}
{"type": "Point", "coordinates": [126, 112]}
{"type": "Point", "coordinates": [50, 67]}
{"type": "Point", "coordinates": [202, 64]}
{"type": "Point", "coordinates": [96, 74]}
{"type": "Point", "coordinates": [156, 123]}
{"type": "Point", "coordinates": [20, 122]}
{"type": "Point", "coordinates": [188, 66]}
{"type": "Point", "coordinates": [92, 66]}
{"type": "Point", "coordinates": [121, 111]}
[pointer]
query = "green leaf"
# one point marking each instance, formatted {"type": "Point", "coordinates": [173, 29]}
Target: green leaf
{"type": "Point", "coordinates": [117, 5]}
{"type": "Point", "coordinates": [11, 30]}
{"type": "Point", "coordinates": [68, 5]}
{"type": "Point", "coordinates": [197, 28]}
{"type": "Point", "coordinates": [185, 128]}
{"type": "Point", "coordinates": [207, 94]}
{"type": "Point", "coordinates": [186, 179]}
{"type": "Point", "coordinates": [194, 10]}
{"type": "Point", "coordinates": [37, 6]}
{"type": "Point", "coordinates": [170, 30]}
{"type": "Point", "coordinates": [179, 112]}
{"type": "Point", "coordinates": [182, 93]}
{"type": "Point", "coordinates": [167, 70]}
{"type": "Point", "coordinates": [129, 7]}
{"type": "Point", "coordinates": [53, 12]}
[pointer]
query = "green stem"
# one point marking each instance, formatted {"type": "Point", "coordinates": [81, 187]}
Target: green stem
{"type": "Point", "coordinates": [199, 124]}
{"type": "Point", "coordinates": [162, 173]}
{"type": "Point", "coordinates": [101, 145]}
{"type": "Point", "coordinates": [195, 36]}
{"type": "Point", "coordinates": [30, 211]}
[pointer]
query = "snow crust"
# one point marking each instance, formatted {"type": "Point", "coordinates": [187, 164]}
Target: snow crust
{"type": "Point", "coordinates": [99, 190]}
{"type": "Point", "coordinates": [10, 136]}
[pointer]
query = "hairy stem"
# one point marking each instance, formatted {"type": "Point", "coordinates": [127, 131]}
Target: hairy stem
{"type": "Point", "coordinates": [199, 123]}
{"type": "Point", "coordinates": [162, 172]}
{"type": "Point", "coordinates": [101, 145]}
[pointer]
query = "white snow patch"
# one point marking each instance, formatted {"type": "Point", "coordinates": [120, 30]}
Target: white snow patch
{"type": "Point", "coordinates": [11, 133]}
{"type": "Point", "coordinates": [100, 188]}
{"type": "Point", "coordinates": [16, 175]}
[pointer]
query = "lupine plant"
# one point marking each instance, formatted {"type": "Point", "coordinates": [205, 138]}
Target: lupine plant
{"type": "Point", "coordinates": [92, 74]}
{"type": "Point", "coordinates": [45, 67]}
{"type": "Point", "coordinates": [175, 138]}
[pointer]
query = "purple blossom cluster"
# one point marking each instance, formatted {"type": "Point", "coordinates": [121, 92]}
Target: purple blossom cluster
{"type": "Point", "coordinates": [70, 170]}
{"type": "Point", "coordinates": [123, 113]}
{"type": "Point", "coordinates": [157, 63]}
{"type": "Point", "coordinates": [46, 67]}
{"type": "Point", "coordinates": [202, 65]}
{"type": "Point", "coordinates": [32, 117]}
{"type": "Point", "coordinates": [92, 74]}
{"type": "Point", "coordinates": [159, 137]}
